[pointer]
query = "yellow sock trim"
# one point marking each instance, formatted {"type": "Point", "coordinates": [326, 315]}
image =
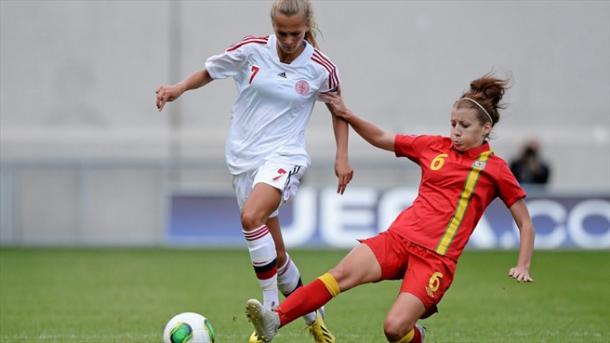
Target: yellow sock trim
{"type": "Point", "coordinates": [408, 337]}
{"type": "Point", "coordinates": [331, 284]}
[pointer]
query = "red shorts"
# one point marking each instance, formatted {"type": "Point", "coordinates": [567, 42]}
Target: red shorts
{"type": "Point", "coordinates": [425, 274]}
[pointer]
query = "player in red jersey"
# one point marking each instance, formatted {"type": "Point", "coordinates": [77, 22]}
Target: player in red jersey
{"type": "Point", "coordinates": [460, 177]}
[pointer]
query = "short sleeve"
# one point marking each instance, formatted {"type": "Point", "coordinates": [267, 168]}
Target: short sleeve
{"type": "Point", "coordinates": [331, 81]}
{"type": "Point", "coordinates": [411, 146]}
{"type": "Point", "coordinates": [226, 64]}
{"type": "Point", "coordinates": [508, 187]}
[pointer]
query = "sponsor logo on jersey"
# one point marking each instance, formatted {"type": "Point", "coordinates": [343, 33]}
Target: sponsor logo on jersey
{"type": "Point", "coordinates": [282, 74]}
{"type": "Point", "coordinates": [302, 87]}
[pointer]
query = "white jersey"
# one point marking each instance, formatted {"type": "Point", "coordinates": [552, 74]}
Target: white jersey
{"type": "Point", "coordinates": [274, 101]}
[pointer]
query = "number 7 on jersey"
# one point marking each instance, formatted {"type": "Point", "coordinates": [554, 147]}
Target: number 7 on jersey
{"type": "Point", "coordinates": [254, 70]}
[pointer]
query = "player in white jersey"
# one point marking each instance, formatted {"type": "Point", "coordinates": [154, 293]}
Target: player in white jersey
{"type": "Point", "coordinates": [278, 79]}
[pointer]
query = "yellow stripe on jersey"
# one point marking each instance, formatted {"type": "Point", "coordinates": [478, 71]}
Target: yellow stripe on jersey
{"type": "Point", "coordinates": [460, 210]}
{"type": "Point", "coordinates": [330, 283]}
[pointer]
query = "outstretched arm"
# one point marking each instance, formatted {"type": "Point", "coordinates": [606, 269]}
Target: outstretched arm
{"type": "Point", "coordinates": [367, 130]}
{"type": "Point", "coordinates": [526, 247]}
{"type": "Point", "coordinates": [168, 93]}
{"type": "Point", "coordinates": [343, 170]}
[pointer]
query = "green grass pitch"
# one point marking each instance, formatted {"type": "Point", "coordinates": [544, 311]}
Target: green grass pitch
{"type": "Point", "coordinates": [127, 295]}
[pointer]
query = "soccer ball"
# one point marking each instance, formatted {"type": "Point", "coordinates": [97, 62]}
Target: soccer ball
{"type": "Point", "coordinates": [188, 327]}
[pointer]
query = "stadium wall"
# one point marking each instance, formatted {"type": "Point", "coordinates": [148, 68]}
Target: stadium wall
{"type": "Point", "coordinates": [135, 204]}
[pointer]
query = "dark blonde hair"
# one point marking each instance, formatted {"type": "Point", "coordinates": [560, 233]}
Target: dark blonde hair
{"type": "Point", "coordinates": [294, 7]}
{"type": "Point", "coordinates": [487, 91]}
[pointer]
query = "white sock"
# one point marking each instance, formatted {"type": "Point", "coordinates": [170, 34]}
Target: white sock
{"type": "Point", "coordinates": [288, 280]}
{"type": "Point", "coordinates": [288, 277]}
{"type": "Point", "coordinates": [264, 259]}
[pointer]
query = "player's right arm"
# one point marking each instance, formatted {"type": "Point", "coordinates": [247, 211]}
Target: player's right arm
{"type": "Point", "coordinates": [373, 134]}
{"type": "Point", "coordinates": [168, 93]}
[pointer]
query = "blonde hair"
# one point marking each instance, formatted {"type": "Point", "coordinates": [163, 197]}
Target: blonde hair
{"type": "Point", "coordinates": [293, 7]}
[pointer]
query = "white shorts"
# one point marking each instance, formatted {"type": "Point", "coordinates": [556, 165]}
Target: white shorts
{"type": "Point", "coordinates": [284, 176]}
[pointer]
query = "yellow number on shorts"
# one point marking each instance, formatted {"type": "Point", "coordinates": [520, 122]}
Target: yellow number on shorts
{"type": "Point", "coordinates": [434, 283]}
{"type": "Point", "coordinates": [438, 162]}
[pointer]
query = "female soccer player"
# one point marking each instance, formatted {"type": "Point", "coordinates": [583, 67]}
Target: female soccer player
{"type": "Point", "coordinates": [460, 177]}
{"type": "Point", "coordinates": [278, 79]}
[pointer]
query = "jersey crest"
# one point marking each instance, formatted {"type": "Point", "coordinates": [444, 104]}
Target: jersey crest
{"type": "Point", "coordinates": [302, 87]}
{"type": "Point", "coordinates": [479, 165]}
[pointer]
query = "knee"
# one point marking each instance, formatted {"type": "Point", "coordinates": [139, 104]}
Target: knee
{"type": "Point", "coordinates": [251, 220]}
{"type": "Point", "coordinates": [395, 329]}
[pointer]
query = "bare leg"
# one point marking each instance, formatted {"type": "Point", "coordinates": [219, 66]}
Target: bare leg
{"type": "Point", "coordinates": [263, 200]}
{"type": "Point", "coordinates": [274, 227]}
{"type": "Point", "coordinates": [403, 315]}
{"type": "Point", "coordinates": [357, 267]}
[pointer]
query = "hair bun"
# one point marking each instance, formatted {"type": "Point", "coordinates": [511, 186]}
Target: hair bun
{"type": "Point", "coordinates": [489, 88]}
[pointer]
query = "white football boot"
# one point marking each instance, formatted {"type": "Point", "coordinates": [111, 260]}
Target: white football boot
{"type": "Point", "coordinates": [266, 322]}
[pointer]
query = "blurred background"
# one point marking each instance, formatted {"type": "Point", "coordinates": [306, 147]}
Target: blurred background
{"type": "Point", "coordinates": [86, 159]}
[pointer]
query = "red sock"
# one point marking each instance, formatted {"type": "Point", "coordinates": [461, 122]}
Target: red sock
{"type": "Point", "coordinates": [416, 337]}
{"type": "Point", "coordinates": [415, 334]}
{"type": "Point", "coordinates": [304, 300]}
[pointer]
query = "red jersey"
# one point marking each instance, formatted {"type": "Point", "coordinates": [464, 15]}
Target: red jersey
{"type": "Point", "coordinates": [455, 189]}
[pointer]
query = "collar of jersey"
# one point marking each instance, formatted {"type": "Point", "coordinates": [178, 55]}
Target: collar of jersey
{"type": "Point", "coordinates": [301, 59]}
{"type": "Point", "coordinates": [474, 152]}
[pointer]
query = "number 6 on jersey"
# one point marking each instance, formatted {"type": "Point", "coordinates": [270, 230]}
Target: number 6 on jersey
{"type": "Point", "coordinates": [438, 162]}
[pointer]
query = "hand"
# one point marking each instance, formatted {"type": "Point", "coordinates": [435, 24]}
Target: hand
{"type": "Point", "coordinates": [335, 101]}
{"type": "Point", "coordinates": [520, 274]}
{"type": "Point", "coordinates": [167, 93]}
{"type": "Point", "coordinates": [344, 173]}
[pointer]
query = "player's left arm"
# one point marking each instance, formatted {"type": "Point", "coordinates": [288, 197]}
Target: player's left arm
{"type": "Point", "coordinates": [343, 170]}
{"type": "Point", "coordinates": [520, 272]}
